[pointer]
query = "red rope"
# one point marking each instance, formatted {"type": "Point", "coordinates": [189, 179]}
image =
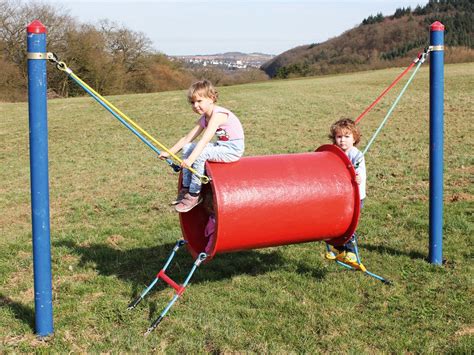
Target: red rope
{"type": "Point", "coordinates": [386, 90]}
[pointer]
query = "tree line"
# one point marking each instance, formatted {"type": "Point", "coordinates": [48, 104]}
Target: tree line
{"type": "Point", "coordinates": [111, 58]}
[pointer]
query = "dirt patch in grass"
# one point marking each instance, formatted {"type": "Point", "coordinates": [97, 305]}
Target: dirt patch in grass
{"type": "Point", "coordinates": [115, 240]}
{"type": "Point", "coordinates": [461, 196]}
{"type": "Point", "coordinates": [465, 331]}
{"type": "Point", "coordinates": [31, 339]}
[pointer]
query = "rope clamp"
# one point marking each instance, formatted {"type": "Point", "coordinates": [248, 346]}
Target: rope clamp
{"type": "Point", "coordinates": [62, 66]}
{"type": "Point", "coordinates": [53, 58]}
{"type": "Point", "coordinates": [201, 257]}
{"type": "Point", "coordinates": [205, 179]}
{"type": "Point", "coordinates": [423, 57]}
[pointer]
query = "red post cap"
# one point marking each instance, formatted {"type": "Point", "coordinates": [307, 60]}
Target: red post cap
{"type": "Point", "coordinates": [36, 27]}
{"type": "Point", "coordinates": [436, 26]}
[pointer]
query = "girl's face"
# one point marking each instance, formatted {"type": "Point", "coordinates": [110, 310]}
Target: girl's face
{"type": "Point", "coordinates": [344, 140]}
{"type": "Point", "coordinates": [202, 105]}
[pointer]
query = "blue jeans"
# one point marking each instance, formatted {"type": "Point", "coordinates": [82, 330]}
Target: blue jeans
{"type": "Point", "coordinates": [220, 151]}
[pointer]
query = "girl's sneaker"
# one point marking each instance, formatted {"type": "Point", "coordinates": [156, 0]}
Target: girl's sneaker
{"type": "Point", "coordinates": [188, 203]}
{"type": "Point", "coordinates": [180, 196]}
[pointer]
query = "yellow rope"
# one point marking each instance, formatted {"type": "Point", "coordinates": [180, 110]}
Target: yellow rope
{"type": "Point", "coordinates": [62, 66]}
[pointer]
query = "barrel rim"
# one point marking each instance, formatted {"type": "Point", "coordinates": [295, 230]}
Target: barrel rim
{"type": "Point", "coordinates": [355, 216]}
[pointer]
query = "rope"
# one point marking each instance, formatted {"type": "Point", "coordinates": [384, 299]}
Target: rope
{"type": "Point", "coordinates": [124, 119]}
{"type": "Point", "coordinates": [392, 108]}
{"type": "Point", "coordinates": [372, 139]}
{"type": "Point", "coordinates": [371, 106]}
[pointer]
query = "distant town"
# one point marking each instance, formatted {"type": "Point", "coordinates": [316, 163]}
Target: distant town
{"type": "Point", "coordinates": [227, 61]}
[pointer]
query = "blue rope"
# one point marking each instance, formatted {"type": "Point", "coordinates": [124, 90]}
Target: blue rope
{"type": "Point", "coordinates": [143, 139]}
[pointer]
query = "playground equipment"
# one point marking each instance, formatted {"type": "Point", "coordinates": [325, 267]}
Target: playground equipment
{"type": "Point", "coordinates": [258, 206]}
{"type": "Point", "coordinates": [320, 186]}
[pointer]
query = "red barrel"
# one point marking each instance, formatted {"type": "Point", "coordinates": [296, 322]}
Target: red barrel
{"type": "Point", "coordinates": [264, 201]}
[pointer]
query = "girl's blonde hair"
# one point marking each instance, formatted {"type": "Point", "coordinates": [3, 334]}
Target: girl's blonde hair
{"type": "Point", "coordinates": [202, 88]}
{"type": "Point", "coordinates": [344, 125]}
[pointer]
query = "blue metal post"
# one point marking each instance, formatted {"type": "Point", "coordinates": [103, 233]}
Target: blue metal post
{"type": "Point", "coordinates": [436, 141]}
{"type": "Point", "coordinates": [36, 44]}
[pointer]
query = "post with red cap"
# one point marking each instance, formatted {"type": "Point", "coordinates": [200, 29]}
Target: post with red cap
{"type": "Point", "coordinates": [436, 141]}
{"type": "Point", "coordinates": [37, 82]}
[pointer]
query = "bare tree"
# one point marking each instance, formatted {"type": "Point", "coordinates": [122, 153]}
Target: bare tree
{"type": "Point", "coordinates": [129, 47]}
{"type": "Point", "coordinates": [15, 15]}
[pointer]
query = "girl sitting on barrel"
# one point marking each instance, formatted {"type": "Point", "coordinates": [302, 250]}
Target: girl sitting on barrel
{"type": "Point", "coordinates": [214, 121]}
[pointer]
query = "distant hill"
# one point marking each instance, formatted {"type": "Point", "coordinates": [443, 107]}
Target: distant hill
{"type": "Point", "coordinates": [383, 41]}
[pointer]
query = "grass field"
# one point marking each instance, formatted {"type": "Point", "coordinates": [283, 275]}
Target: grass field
{"type": "Point", "coordinates": [112, 229]}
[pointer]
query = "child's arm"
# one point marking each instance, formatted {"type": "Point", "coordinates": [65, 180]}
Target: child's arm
{"type": "Point", "coordinates": [214, 122]}
{"type": "Point", "coordinates": [358, 180]}
{"type": "Point", "coordinates": [196, 131]}
{"type": "Point", "coordinates": [361, 174]}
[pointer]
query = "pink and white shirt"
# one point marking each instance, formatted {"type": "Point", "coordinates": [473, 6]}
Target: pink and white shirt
{"type": "Point", "coordinates": [230, 130]}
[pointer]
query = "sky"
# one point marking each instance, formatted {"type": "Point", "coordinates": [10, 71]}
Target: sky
{"type": "Point", "coordinates": [192, 27]}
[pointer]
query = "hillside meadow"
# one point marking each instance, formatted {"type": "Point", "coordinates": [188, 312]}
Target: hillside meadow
{"type": "Point", "coordinates": [112, 228]}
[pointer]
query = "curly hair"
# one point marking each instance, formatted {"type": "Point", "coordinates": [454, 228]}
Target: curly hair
{"type": "Point", "coordinates": [344, 125]}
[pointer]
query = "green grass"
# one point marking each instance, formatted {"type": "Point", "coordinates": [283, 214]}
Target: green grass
{"type": "Point", "coordinates": [112, 229]}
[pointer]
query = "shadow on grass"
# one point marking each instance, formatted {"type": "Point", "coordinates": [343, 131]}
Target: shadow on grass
{"type": "Point", "coordinates": [140, 265]}
{"type": "Point", "coordinates": [21, 312]}
{"type": "Point", "coordinates": [392, 251]}
{"type": "Point", "coordinates": [314, 271]}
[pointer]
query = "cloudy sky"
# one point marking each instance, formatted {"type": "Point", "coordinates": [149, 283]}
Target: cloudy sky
{"type": "Point", "coordinates": [187, 27]}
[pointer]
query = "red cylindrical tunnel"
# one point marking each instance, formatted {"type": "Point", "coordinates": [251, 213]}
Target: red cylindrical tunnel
{"type": "Point", "coordinates": [264, 201]}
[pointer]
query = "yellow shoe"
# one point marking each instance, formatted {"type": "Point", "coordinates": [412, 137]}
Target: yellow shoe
{"type": "Point", "coordinates": [350, 258]}
{"type": "Point", "coordinates": [347, 257]}
{"type": "Point", "coordinates": [330, 255]}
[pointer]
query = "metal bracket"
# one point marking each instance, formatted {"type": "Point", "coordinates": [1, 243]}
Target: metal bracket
{"type": "Point", "coordinates": [436, 48]}
{"type": "Point", "coordinates": [39, 55]}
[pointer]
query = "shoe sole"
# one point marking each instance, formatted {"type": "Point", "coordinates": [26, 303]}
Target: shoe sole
{"type": "Point", "coordinates": [189, 208]}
